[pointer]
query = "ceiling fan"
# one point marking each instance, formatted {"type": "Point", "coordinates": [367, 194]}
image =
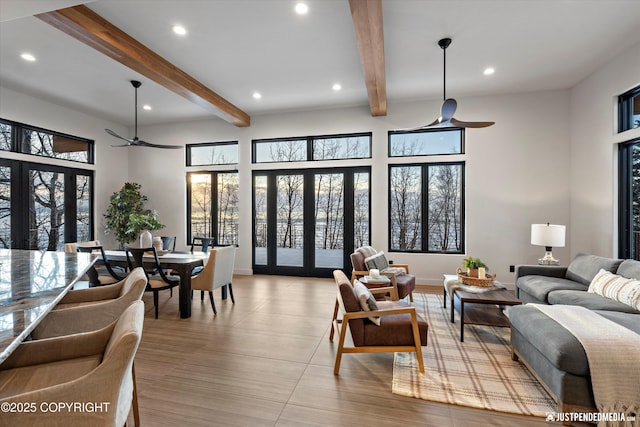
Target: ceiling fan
{"type": "Point", "coordinates": [449, 105]}
{"type": "Point", "coordinates": [136, 142]}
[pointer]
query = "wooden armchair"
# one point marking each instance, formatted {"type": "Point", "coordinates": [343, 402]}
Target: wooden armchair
{"type": "Point", "coordinates": [401, 280]}
{"type": "Point", "coordinates": [400, 329]}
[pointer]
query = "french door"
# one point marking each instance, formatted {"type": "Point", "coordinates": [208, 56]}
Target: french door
{"type": "Point", "coordinates": [629, 200]}
{"type": "Point", "coordinates": [44, 206]}
{"type": "Point", "coordinates": [307, 222]}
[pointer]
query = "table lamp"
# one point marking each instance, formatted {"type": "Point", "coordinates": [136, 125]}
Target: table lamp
{"type": "Point", "coordinates": [548, 235]}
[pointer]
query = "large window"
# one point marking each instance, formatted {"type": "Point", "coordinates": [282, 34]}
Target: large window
{"type": "Point", "coordinates": [629, 200]}
{"type": "Point", "coordinates": [213, 206]}
{"type": "Point", "coordinates": [44, 206]}
{"type": "Point", "coordinates": [312, 148]}
{"type": "Point", "coordinates": [629, 110]}
{"type": "Point", "coordinates": [28, 139]}
{"type": "Point", "coordinates": [426, 207]}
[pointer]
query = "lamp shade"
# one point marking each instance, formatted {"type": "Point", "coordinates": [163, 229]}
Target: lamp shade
{"type": "Point", "coordinates": [549, 235]}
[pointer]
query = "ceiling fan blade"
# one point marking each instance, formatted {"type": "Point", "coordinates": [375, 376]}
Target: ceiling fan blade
{"type": "Point", "coordinates": [448, 109]}
{"type": "Point", "coordinates": [461, 124]}
{"type": "Point", "coordinates": [112, 133]}
{"type": "Point", "coordinates": [121, 145]}
{"type": "Point", "coordinates": [148, 144]}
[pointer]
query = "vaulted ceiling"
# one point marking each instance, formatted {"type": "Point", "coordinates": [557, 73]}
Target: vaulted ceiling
{"type": "Point", "coordinates": [378, 54]}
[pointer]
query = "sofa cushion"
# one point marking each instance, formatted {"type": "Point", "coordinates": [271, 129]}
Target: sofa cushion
{"type": "Point", "coordinates": [617, 288]}
{"type": "Point", "coordinates": [584, 267]}
{"type": "Point", "coordinates": [540, 286]}
{"type": "Point", "coordinates": [589, 300]}
{"type": "Point", "coordinates": [559, 346]}
{"type": "Point", "coordinates": [629, 268]}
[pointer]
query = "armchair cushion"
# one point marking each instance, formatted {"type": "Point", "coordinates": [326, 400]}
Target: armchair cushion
{"type": "Point", "coordinates": [367, 301]}
{"type": "Point", "coordinates": [379, 261]}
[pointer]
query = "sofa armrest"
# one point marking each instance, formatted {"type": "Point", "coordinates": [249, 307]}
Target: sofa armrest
{"type": "Point", "coordinates": [540, 270]}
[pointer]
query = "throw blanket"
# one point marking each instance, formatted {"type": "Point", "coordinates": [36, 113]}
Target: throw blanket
{"type": "Point", "coordinates": [613, 352]}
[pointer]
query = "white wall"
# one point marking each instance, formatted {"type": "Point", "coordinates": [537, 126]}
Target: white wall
{"type": "Point", "coordinates": [593, 148]}
{"type": "Point", "coordinates": [516, 172]}
{"type": "Point", "coordinates": [111, 165]}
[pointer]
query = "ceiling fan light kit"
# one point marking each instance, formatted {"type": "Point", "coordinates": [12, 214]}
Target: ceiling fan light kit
{"type": "Point", "coordinates": [136, 142]}
{"type": "Point", "coordinates": [449, 105]}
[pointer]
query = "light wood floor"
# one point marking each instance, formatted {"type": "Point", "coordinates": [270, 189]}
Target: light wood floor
{"type": "Point", "coordinates": [267, 361]}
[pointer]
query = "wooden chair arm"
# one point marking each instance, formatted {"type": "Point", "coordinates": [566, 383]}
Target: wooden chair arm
{"type": "Point", "coordinates": [384, 312]}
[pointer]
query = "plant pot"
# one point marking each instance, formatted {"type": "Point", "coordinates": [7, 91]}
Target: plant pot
{"type": "Point", "coordinates": [473, 272]}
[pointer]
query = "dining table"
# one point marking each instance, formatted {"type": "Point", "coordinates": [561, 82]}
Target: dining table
{"type": "Point", "coordinates": [181, 263]}
{"type": "Point", "coordinates": [32, 282]}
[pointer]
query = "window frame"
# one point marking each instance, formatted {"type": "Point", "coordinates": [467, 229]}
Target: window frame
{"type": "Point", "coordinates": [625, 114]}
{"type": "Point", "coordinates": [625, 200]}
{"type": "Point", "coordinates": [424, 204]}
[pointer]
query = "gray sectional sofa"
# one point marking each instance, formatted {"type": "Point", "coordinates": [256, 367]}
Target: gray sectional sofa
{"type": "Point", "coordinates": [550, 351]}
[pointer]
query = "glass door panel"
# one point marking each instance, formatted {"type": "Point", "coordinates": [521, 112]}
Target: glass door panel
{"type": "Point", "coordinates": [329, 220]}
{"type": "Point", "coordinates": [290, 220]}
{"type": "Point", "coordinates": [228, 208]}
{"type": "Point", "coordinates": [200, 204]}
{"type": "Point", "coordinates": [46, 210]}
{"type": "Point", "coordinates": [5, 207]}
{"type": "Point", "coordinates": [83, 208]}
{"type": "Point", "coordinates": [635, 197]}
{"type": "Point", "coordinates": [361, 209]}
{"type": "Point", "coordinates": [260, 220]}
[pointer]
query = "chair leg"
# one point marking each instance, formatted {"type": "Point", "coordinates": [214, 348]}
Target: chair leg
{"type": "Point", "coordinates": [233, 300]}
{"type": "Point", "coordinates": [343, 333]}
{"type": "Point", "coordinates": [155, 302]}
{"type": "Point", "coordinates": [411, 296]}
{"type": "Point", "coordinates": [201, 295]}
{"type": "Point", "coordinates": [134, 404]}
{"type": "Point", "coordinates": [335, 316]}
{"type": "Point", "coordinates": [213, 304]}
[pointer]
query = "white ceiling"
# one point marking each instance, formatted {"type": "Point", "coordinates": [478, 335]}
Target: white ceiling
{"type": "Point", "coordinates": [236, 47]}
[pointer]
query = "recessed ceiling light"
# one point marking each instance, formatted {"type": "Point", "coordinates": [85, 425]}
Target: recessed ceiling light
{"type": "Point", "coordinates": [146, 107]}
{"type": "Point", "coordinates": [336, 86]}
{"type": "Point", "coordinates": [302, 9]}
{"type": "Point", "coordinates": [28, 57]}
{"type": "Point", "coordinates": [489, 71]}
{"type": "Point", "coordinates": [257, 95]}
{"type": "Point", "coordinates": [179, 30]}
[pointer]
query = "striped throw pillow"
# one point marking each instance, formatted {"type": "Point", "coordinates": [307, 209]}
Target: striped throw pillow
{"type": "Point", "coordinates": [618, 288]}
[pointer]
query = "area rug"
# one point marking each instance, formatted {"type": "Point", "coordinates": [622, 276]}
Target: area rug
{"type": "Point", "coordinates": [478, 372]}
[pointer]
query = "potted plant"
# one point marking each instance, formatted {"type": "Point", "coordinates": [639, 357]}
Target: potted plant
{"type": "Point", "coordinates": [126, 216]}
{"type": "Point", "coordinates": [472, 264]}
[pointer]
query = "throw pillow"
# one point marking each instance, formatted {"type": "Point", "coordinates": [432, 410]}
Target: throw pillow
{"type": "Point", "coordinates": [367, 301]}
{"type": "Point", "coordinates": [378, 261]}
{"type": "Point", "coordinates": [367, 251]}
{"type": "Point", "coordinates": [398, 271]}
{"type": "Point", "coordinates": [618, 288]}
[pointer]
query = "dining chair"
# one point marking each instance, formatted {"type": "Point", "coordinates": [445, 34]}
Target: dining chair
{"type": "Point", "coordinates": [101, 276]}
{"type": "Point", "coordinates": [366, 258]}
{"type": "Point", "coordinates": [203, 242]}
{"type": "Point", "coordinates": [383, 326]}
{"type": "Point", "coordinates": [91, 277]}
{"type": "Point", "coordinates": [155, 282]}
{"type": "Point", "coordinates": [80, 368]}
{"type": "Point", "coordinates": [217, 273]}
{"type": "Point", "coordinates": [168, 243]}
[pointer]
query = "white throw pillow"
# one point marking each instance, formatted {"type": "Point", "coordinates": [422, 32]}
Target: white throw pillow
{"type": "Point", "coordinates": [378, 261]}
{"type": "Point", "coordinates": [367, 301]}
{"type": "Point", "coordinates": [618, 288]}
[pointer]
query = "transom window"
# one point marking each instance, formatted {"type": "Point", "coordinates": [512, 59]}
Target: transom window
{"type": "Point", "coordinates": [27, 139]}
{"type": "Point", "coordinates": [212, 153]}
{"type": "Point", "coordinates": [629, 110]}
{"type": "Point", "coordinates": [427, 142]}
{"type": "Point", "coordinates": [312, 148]}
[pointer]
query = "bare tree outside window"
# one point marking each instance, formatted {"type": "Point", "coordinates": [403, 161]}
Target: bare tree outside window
{"type": "Point", "coordinates": [212, 154]}
{"type": "Point", "coordinates": [444, 221]}
{"type": "Point", "coordinates": [228, 215]}
{"type": "Point", "coordinates": [200, 204]}
{"type": "Point", "coordinates": [5, 136]}
{"type": "Point", "coordinates": [5, 207]}
{"type": "Point", "coordinates": [361, 220]}
{"type": "Point", "coordinates": [344, 147]}
{"type": "Point", "coordinates": [46, 210]}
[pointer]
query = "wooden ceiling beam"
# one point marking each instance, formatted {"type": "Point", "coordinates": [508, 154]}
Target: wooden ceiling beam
{"type": "Point", "coordinates": [367, 21]}
{"type": "Point", "coordinates": [91, 29]}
